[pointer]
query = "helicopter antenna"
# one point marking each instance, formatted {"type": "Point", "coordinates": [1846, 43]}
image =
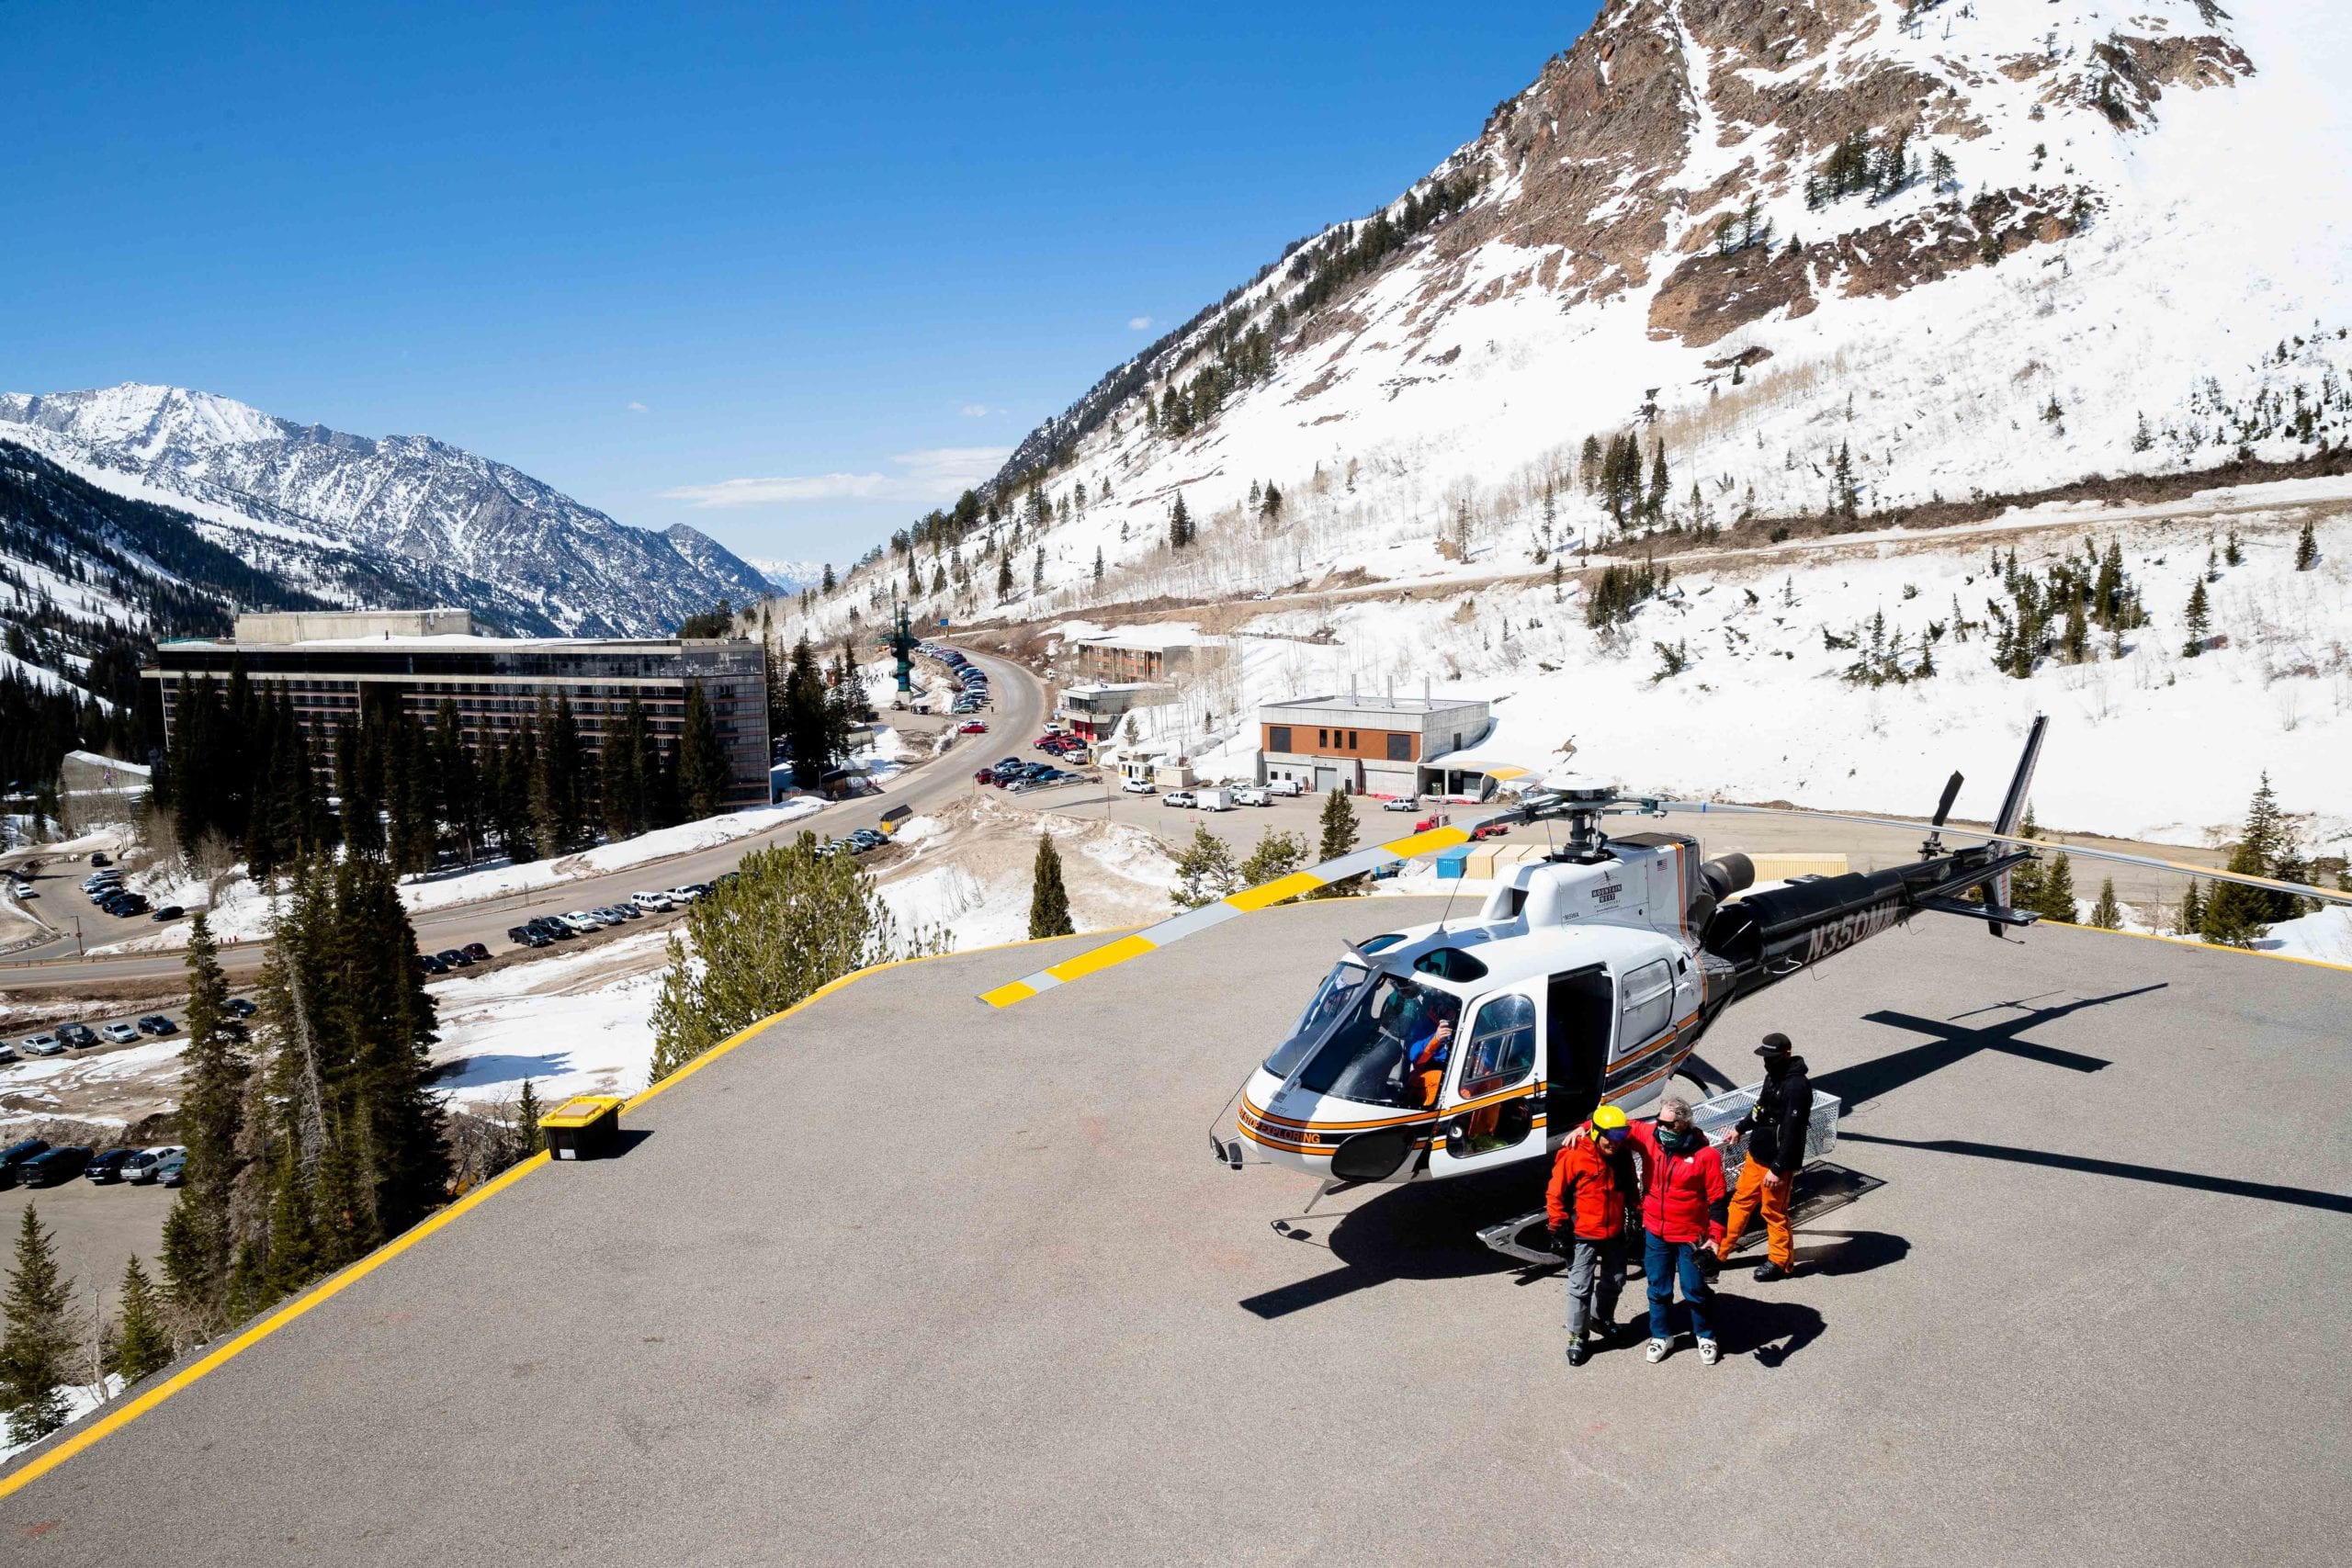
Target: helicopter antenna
{"type": "Point", "coordinates": [1935, 844]}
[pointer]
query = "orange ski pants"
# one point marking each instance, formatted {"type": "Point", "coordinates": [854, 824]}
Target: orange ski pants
{"type": "Point", "coordinates": [1779, 1243]}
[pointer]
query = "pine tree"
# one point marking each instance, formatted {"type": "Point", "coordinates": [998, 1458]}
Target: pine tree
{"type": "Point", "coordinates": [1180, 525]}
{"type": "Point", "coordinates": [1848, 490]}
{"type": "Point", "coordinates": [1204, 871]}
{"type": "Point", "coordinates": [702, 761]}
{"type": "Point", "coordinates": [2025, 881]}
{"type": "Point", "coordinates": [1653, 504]}
{"type": "Point", "coordinates": [2306, 548]}
{"type": "Point", "coordinates": [1004, 575]}
{"type": "Point", "coordinates": [623, 793]}
{"type": "Point", "coordinates": [459, 779]}
{"type": "Point", "coordinates": [214, 1069]}
{"type": "Point", "coordinates": [141, 1345]}
{"type": "Point", "coordinates": [2107, 913]}
{"type": "Point", "coordinates": [1098, 563]}
{"type": "Point", "coordinates": [806, 731]}
{"type": "Point", "coordinates": [528, 1139]}
{"type": "Point", "coordinates": [1048, 899]}
{"type": "Point", "coordinates": [2232, 552]}
{"type": "Point", "coordinates": [557, 794]}
{"type": "Point", "coordinates": [2057, 896]}
{"type": "Point", "coordinates": [790, 921]}
{"type": "Point", "coordinates": [38, 1352]}
{"type": "Point", "coordinates": [2192, 910]}
{"type": "Point", "coordinates": [1338, 838]}
{"type": "Point", "coordinates": [2197, 622]}
{"type": "Point", "coordinates": [1277, 856]}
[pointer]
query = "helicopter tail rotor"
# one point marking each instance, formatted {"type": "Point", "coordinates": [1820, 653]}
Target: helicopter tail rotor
{"type": "Point", "coordinates": [1995, 893]}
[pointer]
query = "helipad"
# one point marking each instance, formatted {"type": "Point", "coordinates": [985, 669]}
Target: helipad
{"type": "Point", "coordinates": [904, 1279]}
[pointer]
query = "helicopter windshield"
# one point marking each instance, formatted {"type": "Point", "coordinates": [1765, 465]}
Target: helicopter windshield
{"type": "Point", "coordinates": [1382, 1052]}
{"type": "Point", "coordinates": [1339, 988]}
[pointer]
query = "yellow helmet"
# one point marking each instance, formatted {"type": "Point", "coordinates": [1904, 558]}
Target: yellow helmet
{"type": "Point", "coordinates": [1608, 1118]}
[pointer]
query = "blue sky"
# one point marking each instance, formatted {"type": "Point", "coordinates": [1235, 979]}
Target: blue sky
{"type": "Point", "coordinates": [645, 253]}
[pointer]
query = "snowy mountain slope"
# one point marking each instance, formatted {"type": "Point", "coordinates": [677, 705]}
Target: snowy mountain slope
{"type": "Point", "coordinates": [2081, 243]}
{"type": "Point", "coordinates": [791, 576]}
{"type": "Point", "coordinates": [1973, 248]}
{"type": "Point", "coordinates": [452, 526]}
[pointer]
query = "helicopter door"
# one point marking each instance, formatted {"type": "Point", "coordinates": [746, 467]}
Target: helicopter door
{"type": "Point", "coordinates": [1486, 1113]}
{"type": "Point", "coordinates": [1579, 1016]}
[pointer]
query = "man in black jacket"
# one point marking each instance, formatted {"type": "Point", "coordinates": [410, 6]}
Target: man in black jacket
{"type": "Point", "coordinates": [1776, 1132]}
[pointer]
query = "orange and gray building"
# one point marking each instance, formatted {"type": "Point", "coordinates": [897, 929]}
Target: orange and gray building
{"type": "Point", "coordinates": [1387, 746]}
{"type": "Point", "coordinates": [344, 666]}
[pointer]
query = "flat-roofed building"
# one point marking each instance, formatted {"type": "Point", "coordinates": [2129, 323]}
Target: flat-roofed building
{"type": "Point", "coordinates": [344, 666]}
{"type": "Point", "coordinates": [1148, 654]}
{"type": "Point", "coordinates": [1095, 711]}
{"type": "Point", "coordinates": [1386, 746]}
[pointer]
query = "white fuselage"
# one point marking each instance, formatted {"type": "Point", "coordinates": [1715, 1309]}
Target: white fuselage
{"type": "Point", "coordinates": [1575, 985]}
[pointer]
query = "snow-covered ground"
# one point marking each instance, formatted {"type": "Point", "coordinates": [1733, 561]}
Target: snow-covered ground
{"type": "Point", "coordinates": [574, 1023]}
{"type": "Point", "coordinates": [80, 1400]}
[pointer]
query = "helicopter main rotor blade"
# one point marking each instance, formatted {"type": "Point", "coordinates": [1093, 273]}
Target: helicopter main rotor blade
{"type": "Point", "coordinates": [1943, 806]}
{"type": "Point", "coordinates": [1248, 901]}
{"type": "Point", "coordinates": [2328, 895]}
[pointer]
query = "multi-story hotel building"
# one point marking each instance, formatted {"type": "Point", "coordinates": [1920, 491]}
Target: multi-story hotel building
{"type": "Point", "coordinates": [340, 666]}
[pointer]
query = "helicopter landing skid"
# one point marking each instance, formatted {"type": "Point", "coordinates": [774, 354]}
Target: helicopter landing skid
{"type": "Point", "coordinates": [1510, 1239]}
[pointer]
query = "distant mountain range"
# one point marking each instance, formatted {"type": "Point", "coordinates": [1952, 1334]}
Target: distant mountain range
{"type": "Point", "coordinates": [791, 576]}
{"type": "Point", "coordinates": [354, 519]}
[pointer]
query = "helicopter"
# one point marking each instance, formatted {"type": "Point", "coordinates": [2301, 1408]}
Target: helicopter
{"type": "Point", "coordinates": [1587, 978]}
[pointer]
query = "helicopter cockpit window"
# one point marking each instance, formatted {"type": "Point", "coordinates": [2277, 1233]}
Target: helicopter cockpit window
{"type": "Point", "coordinates": [1390, 1049]}
{"type": "Point", "coordinates": [1339, 988]}
{"type": "Point", "coordinates": [1502, 1047]}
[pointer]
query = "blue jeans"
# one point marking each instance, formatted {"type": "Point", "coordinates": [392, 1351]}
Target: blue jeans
{"type": "Point", "coordinates": [1661, 1260]}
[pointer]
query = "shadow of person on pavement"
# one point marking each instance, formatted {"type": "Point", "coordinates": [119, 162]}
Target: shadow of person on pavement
{"type": "Point", "coordinates": [1848, 1252]}
{"type": "Point", "coordinates": [1771, 1329]}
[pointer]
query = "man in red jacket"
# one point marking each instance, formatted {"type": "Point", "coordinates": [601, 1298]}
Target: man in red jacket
{"type": "Point", "coordinates": [1593, 1190]}
{"type": "Point", "coordinates": [1682, 1221]}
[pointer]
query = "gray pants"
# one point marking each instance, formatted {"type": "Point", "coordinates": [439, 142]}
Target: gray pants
{"type": "Point", "coordinates": [1596, 1277]}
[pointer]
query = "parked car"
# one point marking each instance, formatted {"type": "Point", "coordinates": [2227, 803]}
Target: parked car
{"type": "Point", "coordinates": [477, 952]}
{"type": "Point", "coordinates": [430, 964]}
{"type": "Point", "coordinates": [140, 1169]}
{"type": "Point", "coordinates": [14, 1158]}
{"type": "Point", "coordinates": [973, 727]}
{"type": "Point", "coordinates": [866, 838]}
{"type": "Point", "coordinates": [451, 958]}
{"type": "Point", "coordinates": [23, 890]}
{"type": "Point", "coordinates": [241, 1006]}
{"type": "Point", "coordinates": [1289, 787]}
{"type": "Point", "coordinates": [55, 1166]}
{"type": "Point", "coordinates": [548, 927]}
{"type": "Point", "coordinates": [1402, 803]}
{"type": "Point", "coordinates": [7, 1052]}
{"type": "Point", "coordinates": [107, 1166]}
{"type": "Point", "coordinates": [523, 936]}
{"type": "Point", "coordinates": [1250, 794]}
{"type": "Point", "coordinates": [628, 912]}
{"type": "Point", "coordinates": [1177, 797]}
{"type": "Point", "coordinates": [98, 857]}
{"type": "Point", "coordinates": [155, 1024]}
{"type": "Point", "coordinates": [581, 921]}
{"type": "Point", "coordinates": [121, 1034]}
{"type": "Point", "coordinates": [1138, 786]}
{"type": "Point", "coordinates": [171, 1170]}
{"type": "Point", "coordinates": [168, 912]}
{"type": "Point", "coordinates": [43, 1045]}
{"type": "Point", "coordinates": [77, 1035]}
{"type": "Point", "coordinates": [656, 902]}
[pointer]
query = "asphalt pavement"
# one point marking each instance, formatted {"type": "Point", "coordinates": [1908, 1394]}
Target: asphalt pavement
{"type": "Point", "coordinates": [1014, 721]}
{"type": "Point", "coordinates": [904, 1279]}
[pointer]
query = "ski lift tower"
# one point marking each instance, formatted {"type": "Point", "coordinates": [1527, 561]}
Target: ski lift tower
{"type": "Point", "coordinates": [902, 643]}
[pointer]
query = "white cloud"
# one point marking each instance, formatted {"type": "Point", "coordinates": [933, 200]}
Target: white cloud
{"type": "Point", "coordinates": [1138, 323]}
{"type": "Point", "coordinates": [639, 408]}
{"type": "Point", "coordinates": [925, 476]}
{"type": "Point", "coordinates": [975, 410]}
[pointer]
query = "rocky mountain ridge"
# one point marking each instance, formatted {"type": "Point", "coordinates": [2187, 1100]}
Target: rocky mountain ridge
{"type": "Point", "coordinates": [327, 509]}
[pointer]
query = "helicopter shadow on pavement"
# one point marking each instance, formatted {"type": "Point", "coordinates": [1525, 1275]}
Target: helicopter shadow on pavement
{"type": "Point", "coordinates": [1955, 1041]}
{"type": "Point", "coordinates": [1425, 1231]}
